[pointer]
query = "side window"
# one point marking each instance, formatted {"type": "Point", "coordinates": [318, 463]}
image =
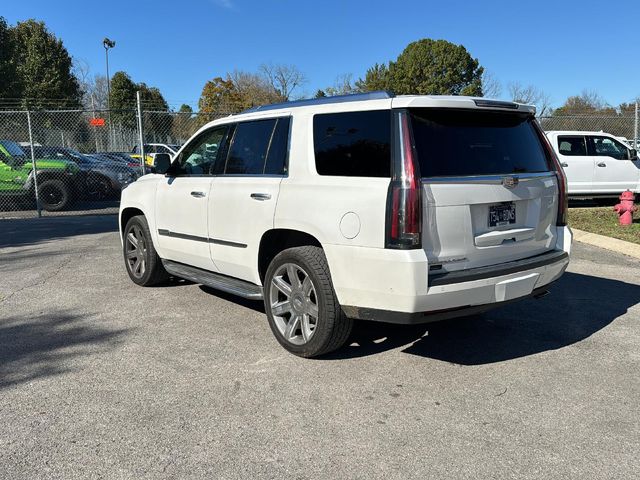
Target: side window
{"type": "Point", "coordinates": [279, 148]}
{"type": "Point", "coordinates": [353, 144]}
{"type": "Point", "coordinates": [572, 146]}
{"type": "Point", "coordinates": [608, 147]}
{"type": "Point", "coordinates": [248, 149]}
{"type": "Point", "coordinates": [199, 157]}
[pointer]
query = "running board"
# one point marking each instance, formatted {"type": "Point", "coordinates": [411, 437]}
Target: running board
{"type": "Point", "coordinates": [214, 280]}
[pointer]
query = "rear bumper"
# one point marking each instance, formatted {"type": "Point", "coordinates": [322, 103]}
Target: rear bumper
{"type": "Point", "coordinates": [394, 287]}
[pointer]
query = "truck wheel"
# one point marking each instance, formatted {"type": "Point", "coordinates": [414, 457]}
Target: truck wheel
{"type": "Point", "coordinates": [54, 195]}
{"type": "Point", "coordinates": [301, 305]}
{"type": "Point", "coordinates": [140, 257]}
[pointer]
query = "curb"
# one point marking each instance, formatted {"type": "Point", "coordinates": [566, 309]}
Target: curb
{"type": "Point", "coordinates": [613, 244]}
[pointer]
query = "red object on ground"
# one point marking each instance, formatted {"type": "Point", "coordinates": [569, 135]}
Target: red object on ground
{"type": "Point", "coordinates": [626, 208]}
{"type": "Point", "coordinates": [96, 122]}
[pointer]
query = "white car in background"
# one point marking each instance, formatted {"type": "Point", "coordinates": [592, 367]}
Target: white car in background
{"type": "Point", "coordinates": [596, 163]}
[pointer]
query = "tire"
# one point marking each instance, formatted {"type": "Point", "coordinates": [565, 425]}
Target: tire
{"type": "Point", "coordinates": [99, 188]}
{"type": "Point", "coordinates": [311, 297]}
{"type": "Point", "coordinates": [140, 257]}
{"type": "Point", "coordinates": [54, 195]}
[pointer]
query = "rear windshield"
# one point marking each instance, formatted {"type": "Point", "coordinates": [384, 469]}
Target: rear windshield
{"type": "Point", "coordinates": [464, 143]}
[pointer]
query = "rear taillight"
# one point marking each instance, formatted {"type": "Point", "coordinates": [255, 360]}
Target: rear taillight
{"type": "Point", "coordinates": [404, 221]}
{"type": "Point", "coordinates": [563, 198]}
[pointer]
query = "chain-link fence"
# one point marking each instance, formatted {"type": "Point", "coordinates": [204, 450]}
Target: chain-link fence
{"type": "Point", "coordinates": [70, 162]}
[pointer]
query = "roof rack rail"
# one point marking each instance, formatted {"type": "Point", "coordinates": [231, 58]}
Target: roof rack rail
{"type": "Point", "coordinates": [354, 97]}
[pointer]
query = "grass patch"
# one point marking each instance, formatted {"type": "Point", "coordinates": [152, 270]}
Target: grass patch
{"type": "Point", "coordinates": [604, 221]}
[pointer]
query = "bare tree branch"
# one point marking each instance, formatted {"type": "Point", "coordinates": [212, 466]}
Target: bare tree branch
{"type": "Point", "coordinates": [284, 79]}
{"type": "Point", "coordinates": [491, 87]}
{"type": "Point", "coordinates": [531, 95]}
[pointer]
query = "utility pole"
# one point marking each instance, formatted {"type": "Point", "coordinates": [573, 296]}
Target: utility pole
{"type": "Point", "coordinates": [635, 134]}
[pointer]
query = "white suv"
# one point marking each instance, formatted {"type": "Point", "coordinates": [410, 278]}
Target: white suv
{"type": "Point", "coordinates": [596, 163]}
{"type": "Point", "coordinates": [402, 209]}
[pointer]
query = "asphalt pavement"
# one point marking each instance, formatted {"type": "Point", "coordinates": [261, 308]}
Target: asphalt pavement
{"type": "Point", "coordinates": [100, 378]}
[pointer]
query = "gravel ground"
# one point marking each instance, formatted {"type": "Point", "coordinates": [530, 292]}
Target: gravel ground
{"type": "Point", "coordinates": [100, 378]}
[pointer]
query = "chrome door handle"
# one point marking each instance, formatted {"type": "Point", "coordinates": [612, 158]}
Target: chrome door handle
{"type": "Point", "coordinates": [261, 196]}
{"type": "Point", "coordinates": [602, 164]}
{"type": "Point", "coordinates": [197, 194]}
{"type": "Point", "coordinates": [564, 165]}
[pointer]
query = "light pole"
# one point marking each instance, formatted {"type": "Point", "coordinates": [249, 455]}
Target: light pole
{"type": "Point", "coordinates": [107, 44]}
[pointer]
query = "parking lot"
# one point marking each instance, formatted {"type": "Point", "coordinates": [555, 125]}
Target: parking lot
{"type": "Point", "coordinates": [100, 378]}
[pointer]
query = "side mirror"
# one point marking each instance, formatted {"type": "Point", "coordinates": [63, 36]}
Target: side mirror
{"type": "Point", "coordinates": [161, 163]}
{"type": "Point", "coordinates": [633, 154]}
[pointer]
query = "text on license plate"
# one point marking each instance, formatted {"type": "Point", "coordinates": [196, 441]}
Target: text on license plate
{"type": "Point", "coordinates": [502, 214]}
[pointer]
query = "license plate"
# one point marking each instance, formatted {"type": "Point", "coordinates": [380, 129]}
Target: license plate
{"type": "Point", "coordinates": [502, 214]}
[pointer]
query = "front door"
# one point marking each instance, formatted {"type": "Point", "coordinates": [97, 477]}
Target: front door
{"type": "Point", "coordinates": [615, 170]}
{"type": "Point", "coordinates": [577, 164]}
{"type": "Point", "coordinates": [182, 201]}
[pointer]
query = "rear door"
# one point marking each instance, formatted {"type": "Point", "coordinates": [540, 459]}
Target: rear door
{"type": "Point", "coordinates": [244, 194]}
{"type": "Point", "coordinates": [490, 195]}
{"type": "Point", "coordinates": [182, 201]}
{"type": "Point", "coordinates": [576, 161]}
{"type": "Point", "coordinates": [615, 170]}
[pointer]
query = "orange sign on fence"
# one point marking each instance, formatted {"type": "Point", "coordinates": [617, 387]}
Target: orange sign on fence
{"type": "Point", "coordinates": [96, 122]}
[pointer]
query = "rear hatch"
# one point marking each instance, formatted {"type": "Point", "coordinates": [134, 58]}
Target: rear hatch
{"type": "Point", "coordinates": [489, 190]}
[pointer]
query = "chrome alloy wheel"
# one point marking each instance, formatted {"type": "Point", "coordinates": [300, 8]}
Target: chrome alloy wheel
{"type": "Point", "coordinates": [294, 303]}
{"type": "Point", "coordinates": [136, 251]}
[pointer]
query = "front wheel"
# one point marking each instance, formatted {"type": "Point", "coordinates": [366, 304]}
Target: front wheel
{"type": "Point", "coordinates": [301, 305]}
{"type": "Point", "coordinates": [140, 257]}
{"type": "Point", "coordinates": [54, 195]}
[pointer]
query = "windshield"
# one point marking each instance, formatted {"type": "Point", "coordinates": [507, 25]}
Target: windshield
{"type": "Point", "coordinates": [468, 143]}
{"type": "Point", "coordinates": [13, 148]}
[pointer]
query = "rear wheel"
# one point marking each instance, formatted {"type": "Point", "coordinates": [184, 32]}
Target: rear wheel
{"type": "Point", "coordinates": [140, 257]}
{"type": "Point", "coordinates": [54, 195]}
{"type": "Point", "coordinates": [301, 305]}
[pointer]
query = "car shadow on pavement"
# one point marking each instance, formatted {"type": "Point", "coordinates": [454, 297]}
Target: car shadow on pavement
{"type": "Point", "coordinates": [579, 306]}
{"type": "Point", "coordinates": [46, 346]}
{"type": "Point", "coordinates": [31, 231]}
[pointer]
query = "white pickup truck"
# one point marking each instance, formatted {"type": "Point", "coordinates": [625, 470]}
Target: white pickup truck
{"type": "Point", "coordinates": [596, 163]}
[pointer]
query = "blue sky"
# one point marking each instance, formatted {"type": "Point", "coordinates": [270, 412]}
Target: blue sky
{"type": "Point", "coordinates": [562, 47]}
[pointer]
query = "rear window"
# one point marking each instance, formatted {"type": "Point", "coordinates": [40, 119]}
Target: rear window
{"type": "Point", "coordinates": [465, 143]}
{"type": "Point", "coordinates": [353, 144]}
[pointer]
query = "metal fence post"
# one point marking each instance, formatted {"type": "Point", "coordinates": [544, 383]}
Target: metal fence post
{"type": "Point", "coordinates": [635, 130]}
{"type": "Point", "coordinates": [140, 132]}
{"type": "Point", "coordinates": [33, 165]}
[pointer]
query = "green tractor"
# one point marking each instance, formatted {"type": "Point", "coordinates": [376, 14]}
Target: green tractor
{"type": "Point", "coordinates": [57, 179]}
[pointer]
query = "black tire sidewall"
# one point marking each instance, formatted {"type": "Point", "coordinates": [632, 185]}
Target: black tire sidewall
{"type": "Point", "coordinates": [325, 298]}
{"type": "Point", "coordinates": [149, 255]}
{"type": "Point", "coordinates": [62, 188]}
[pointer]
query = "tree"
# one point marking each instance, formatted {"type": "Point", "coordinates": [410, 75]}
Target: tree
{"type": "Point", "coordinates": [491, 87]}
{"type": "Point", "coordinates": [8, 86]}
{"type": "Point", "coordinates": [254, 89]}
{"type": "Point", "coordinates": [238, 91]}
{"type": "Point", "coordinates": [183, 124]}
{"type": "Point", "coordinates": [283, 79]}
{"type": "Point", "coordinates": [43, 67]}
{"type": "Point", "coordinates": [342, 85]}
{"type": "Point", "coordinates": [531, 95]}
{"type": "Point", "coordinates": [428, 67]}
{"type": "Point", "coordinates": [585, 103]}
{"type": "Point", "coordinates": [376, 78]}
{"type": "Point", "coordinates": [219, 96]}
{"type": "Point", "coordinates": [320, 94]}
{"type": "Point", "coordinates": [122, 100]}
